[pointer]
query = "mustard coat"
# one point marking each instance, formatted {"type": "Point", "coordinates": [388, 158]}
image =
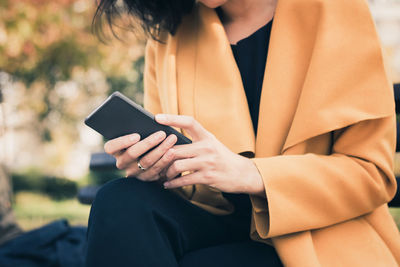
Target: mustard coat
{"type": "Point", "coordinates": [326, 130]}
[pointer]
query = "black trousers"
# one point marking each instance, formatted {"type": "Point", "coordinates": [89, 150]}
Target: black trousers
{"type": "Point", "coordinates": [135, 223]}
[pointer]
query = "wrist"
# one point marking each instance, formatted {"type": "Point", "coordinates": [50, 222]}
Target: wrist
{"type": "Point", "coordinates": [255, 184]}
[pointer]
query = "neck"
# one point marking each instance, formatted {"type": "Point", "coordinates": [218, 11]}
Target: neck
{"type": "Point", "coordinates": [241, 18]}
{"type": "Point", "coordinates": [248, 10]}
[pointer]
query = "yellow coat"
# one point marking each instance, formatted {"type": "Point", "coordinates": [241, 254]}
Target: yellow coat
{"type": "Point", "coordinates": [326, 130]}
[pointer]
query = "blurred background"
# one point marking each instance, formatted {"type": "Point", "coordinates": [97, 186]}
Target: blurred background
{"type": "Point", "coordinates": [53, 73]}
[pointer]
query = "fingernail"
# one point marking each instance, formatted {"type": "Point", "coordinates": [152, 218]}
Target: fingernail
{"type": "Point", "coordinates": [161, 117]}
{"type": "Point", "coordinates": [134, 137]}
{"type": "Point", "coordinates": [166, 185]}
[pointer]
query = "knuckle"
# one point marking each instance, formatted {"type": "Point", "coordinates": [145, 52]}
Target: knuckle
{"type": "Point", "coordinates": [149, 176]}
{"type": "Point", "coordinates": [208, 148]}
{"type": "Point", "coordinates": [145, 176]}
{"type": "Point", "coordinates": [119, 164]}
{"type": "Point", "coordinates": [169, 155]}
{"type": "Point", "coordinates": [107, 148]}
{"type": "Point", "coordinates": [155, 177]}
{"type": "Point", "coordinates": [191, 120]}
{"type": "Point", "coordinates": [145, 162]}
{"type": "Point", "coordinates": [207, 175]}
{"type": "Point", "coordinates": [170, 173]}
{"type": "Point", "coordinates": [207, 162]}
{"type": "Point", "coordinates": [131, 153]}
{"type": "Point", "coordinates": [175, 167]}
{"type": "Point", "coordinates": [154, 171]}
{"type": "Point", "coordinates": [140, 177]}
{"type": "Point", "coordinates": [211, 136]}
{"type": "Point", "coordinates": [212, 159]}
{"type": "Point", "coordinates": [130, 173]}
{"type": "Point", "coordinates": [135, 173]}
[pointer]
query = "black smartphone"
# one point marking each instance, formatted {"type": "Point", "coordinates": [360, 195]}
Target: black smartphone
{"type": "Point", "coordinates": [118, 116]}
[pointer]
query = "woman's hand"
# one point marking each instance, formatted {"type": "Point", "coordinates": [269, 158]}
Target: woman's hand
{"type": "Point", "coordinates": [129, 151]}
{"type": "Point", "coordinates": [209, 161]}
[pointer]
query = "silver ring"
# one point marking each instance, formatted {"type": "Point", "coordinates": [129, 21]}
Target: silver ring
{"type": "Point", "coordinates": [140, 166]}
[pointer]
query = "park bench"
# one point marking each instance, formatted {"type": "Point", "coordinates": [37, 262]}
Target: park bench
{"type": "Point", "coordinates": [104, 162]}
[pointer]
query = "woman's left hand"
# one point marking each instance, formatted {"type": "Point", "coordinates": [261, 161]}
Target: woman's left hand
{"type": "Point", "coordinates": [209, 161]}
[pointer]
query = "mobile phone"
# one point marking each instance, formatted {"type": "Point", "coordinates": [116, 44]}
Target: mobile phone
{"type": "Point", "coordinates": [118, 116]}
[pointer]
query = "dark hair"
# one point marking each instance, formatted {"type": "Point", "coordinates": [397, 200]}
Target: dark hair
{"type": "Point", "coordinates": [154, 16]}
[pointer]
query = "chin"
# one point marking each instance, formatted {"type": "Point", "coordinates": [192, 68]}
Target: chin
{"type": "Point", "coordinates": [212, 3]}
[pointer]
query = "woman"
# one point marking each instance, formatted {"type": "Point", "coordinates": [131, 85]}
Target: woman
{"type": "Point", "coordinates": [305, 167]}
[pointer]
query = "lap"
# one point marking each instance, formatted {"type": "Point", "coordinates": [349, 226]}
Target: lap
{"type": "Point", "coordinates": [128, 212]}
{"type": "Point", "coordinates": [124, 199]}
{"type": "Point", "coordinates": [250, 253]}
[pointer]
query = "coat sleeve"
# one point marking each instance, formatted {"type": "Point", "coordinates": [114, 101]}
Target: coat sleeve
{"type": "Point", "coordinates": [151, 100]}
{"type": "Point", "coordinates": [311, 191]}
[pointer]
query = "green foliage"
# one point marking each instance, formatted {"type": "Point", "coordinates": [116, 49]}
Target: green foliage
{"type": "Point", "coordinates": [138, 65]}
{"type": "Point", "coordinates": [34, 181]}
{"type": "Point", "coordinates": [55, 63]}
{"type": "Point", "coordinates": [59, 188]}
{"type": "Point", "coordinates": [100, 177]}
{"type": "Point", "coordinates": [44, 43]}
{"type": "Point", "coordinates": [125, 85]}
{"type": "Point", "coordinates": [395, 212]}
{"type": "Point", "coordinates": [33, 210]}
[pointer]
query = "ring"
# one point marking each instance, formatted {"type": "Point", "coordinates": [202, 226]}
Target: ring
{"type": "Point", "coordinates": [140, 166]}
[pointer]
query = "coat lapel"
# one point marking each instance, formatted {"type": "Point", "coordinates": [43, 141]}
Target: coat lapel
{"type": "Point", "coordinates": [324, 72]}
{"type": "Point", "coordinates": [169, 80]}
{"type": "Point", "coordinates": [285, 70]}
{"type": "Point", "coordinates": [209, 82]}
{"type": "Point", "coordinates": [320, 76]}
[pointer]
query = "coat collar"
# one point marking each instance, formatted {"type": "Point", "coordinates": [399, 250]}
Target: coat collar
{"type": "Point", "coordinates": [324, 72]}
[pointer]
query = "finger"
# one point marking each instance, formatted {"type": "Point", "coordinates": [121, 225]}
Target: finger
{"type": "Point", "coordinates": [188, 123]}
{"type": "Point", "coordinates": [138, 149]}
{"type": "Point", "coordinates": [157, 170]}
{"type": "Point", "coordinates": [114, 146]}
{"type": "Point", "coordinates": [192, 150]}
{"type": "Point", "coordinates": [153, 156]}
{"type": "Point", "coordinates": [183, 165]}
{"type": "Point", "coordinates": [132, 172]}
{"type": "Point", "coordinates": [189, 179]}
{"type": "Point", "coordinates": [163, 172]}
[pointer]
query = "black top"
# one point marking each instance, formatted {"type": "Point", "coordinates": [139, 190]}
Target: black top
{"type": "Point", "coordinates": [251, 56]}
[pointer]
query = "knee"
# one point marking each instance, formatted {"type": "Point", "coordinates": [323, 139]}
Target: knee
{"type": "Point", "coordinates": [119, 199]}
{"type": "Point", "coordinates": [121, 192]}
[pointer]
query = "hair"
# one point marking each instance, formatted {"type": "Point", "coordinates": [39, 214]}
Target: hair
{"type": "Point", "coordinates": [154, 16]}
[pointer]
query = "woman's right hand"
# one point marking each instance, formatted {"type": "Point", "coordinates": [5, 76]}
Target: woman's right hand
{"type": "Point", "coordinates": [129, 150]}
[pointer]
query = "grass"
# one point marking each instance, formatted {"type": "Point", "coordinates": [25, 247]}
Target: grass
{"type": "Point", "coordinates": [396, 215]}
{"type": "Point", "coordinates": [33, 210]}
